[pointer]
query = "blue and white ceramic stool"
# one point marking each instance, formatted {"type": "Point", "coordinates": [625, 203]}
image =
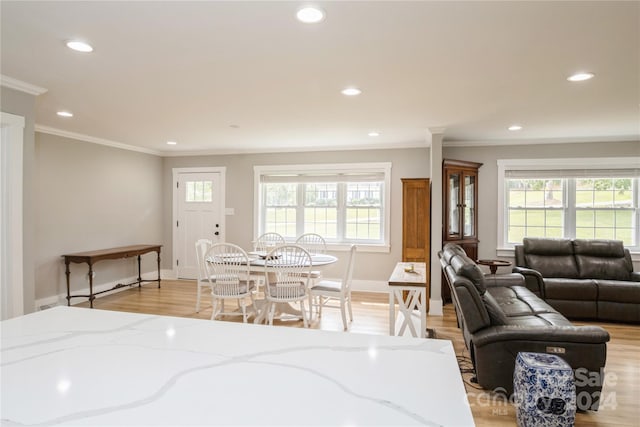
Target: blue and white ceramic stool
{"type": "Point", "coordinates": [544, 391]}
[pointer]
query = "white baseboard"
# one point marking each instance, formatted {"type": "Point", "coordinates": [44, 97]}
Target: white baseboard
{"type": "Point", "coordinates": [435, 307]}
{"type": "Point", "coordinates": [61, 299]}
{"type": "Point", "coordinates": [368, 285]}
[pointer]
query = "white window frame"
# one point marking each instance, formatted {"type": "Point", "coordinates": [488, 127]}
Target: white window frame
{"type": "Point", "coordinates": [337, 168]}
{"type": "Point", "coordinates": [507, 250]}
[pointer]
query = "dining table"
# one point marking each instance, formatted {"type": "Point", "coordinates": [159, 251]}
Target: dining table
{"type": "Point", "coordinates": [257, 267]}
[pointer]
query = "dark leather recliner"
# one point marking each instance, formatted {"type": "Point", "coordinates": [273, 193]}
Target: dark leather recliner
{"type": "Point", "coordinates": [500, 317]}
{"type": "Point", "coordinates": [582, 278]}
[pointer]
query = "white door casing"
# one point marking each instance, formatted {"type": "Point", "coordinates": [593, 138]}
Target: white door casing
{"type": "Point", "coordinates": [198, 206]}
{"type": "Point", "coordinates": [11, 287]}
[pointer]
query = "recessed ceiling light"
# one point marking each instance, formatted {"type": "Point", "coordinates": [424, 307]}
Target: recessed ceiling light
{"type": "Point", "coordinates": [373, 134]}
{"type": "Point", "coordinates": [351, 91]}
{"type": "Point", "coordinates": [580, 77]}
{"type": "Point", "coordinates": [515, 127]}
{"type": "Point", "coordinates": [79, 46]}
{"type": "Point", "coordinates": [65, 113]}
{"type": "Point", "coordinates": [310, 15]}
{"type": "Point", "coordinates": [171, 143]}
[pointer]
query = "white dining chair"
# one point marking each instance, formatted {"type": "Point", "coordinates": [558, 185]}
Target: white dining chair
{"type": "Point", "coordinates": [263, 244]}
{"type": "Point", "coordinates": [329, 290]}
{"type": "Point", "coordinates": [287, 270]}
{"type": "Point", "coordinates": [202, 246]}
{"type": "Point", "coordinates": [268, 241]}
{"type": "Point", "coordinates": [314, 244]}
{"type": "Point", "coordinates": [228, 269]}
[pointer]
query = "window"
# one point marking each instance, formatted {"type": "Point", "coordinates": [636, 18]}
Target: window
{"type": "Point", "coordinates": [199, 191]}
{"type": "Point", "coordinates": [535, 208]}
{"type": "Point", "coordinates": [571, 198]}
{"type": "Point", "coordinates": [345, 204]}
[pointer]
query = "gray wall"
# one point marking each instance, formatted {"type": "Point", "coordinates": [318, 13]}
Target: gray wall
{"type": "Point", "coordinates": [22, 104]}
{"type": "Point", "coordinates": [93, 197]}
{"type": "Point", "coordinates": [488, 175]}
{"type": "Point", "coordinates": [406, 163]}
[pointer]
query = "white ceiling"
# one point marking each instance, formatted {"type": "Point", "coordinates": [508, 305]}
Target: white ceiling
{"type": "Point", "coordinates": [189, 71]}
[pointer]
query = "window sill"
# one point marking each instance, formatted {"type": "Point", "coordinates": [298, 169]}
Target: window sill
{"type": "Point", "coordinates": [362, 247]}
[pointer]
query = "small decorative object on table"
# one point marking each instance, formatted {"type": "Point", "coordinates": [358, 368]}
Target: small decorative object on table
{"type": "Point", "coordinates": [410, 269]}
{"type": "Point", "coordinates": [544, 391]}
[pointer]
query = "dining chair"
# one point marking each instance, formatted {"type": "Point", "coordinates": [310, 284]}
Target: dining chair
{"type": "Point", "coordinates": [287, 269]}
{"type": "Point", "coordinates": [202, 246]}
{"type": "Point", "coordinates": [228, 269]}
{"type": "Point", "coordinates": [268, 241]}
{"type": "Point", "coordinates": [329, 290]}
{"type": "Point", "coordinates": [314, 244]}
{"type": "Point", "coordinates": [264, 243]}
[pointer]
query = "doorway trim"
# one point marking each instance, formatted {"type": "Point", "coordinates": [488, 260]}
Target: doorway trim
{"type": "Point", "coordinates": [174, 230]}
{"type": "Point", "coordinates": [11, 226]}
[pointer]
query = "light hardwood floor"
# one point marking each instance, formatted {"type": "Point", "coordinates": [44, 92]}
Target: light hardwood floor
{"type": "Point", "coordinates": [620, 407]}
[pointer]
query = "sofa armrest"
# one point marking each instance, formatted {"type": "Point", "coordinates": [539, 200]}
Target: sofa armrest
{"type": "Point", "coordinates": [635, 276]}
{"type": "Point", "coordinates": [584, 348]}
{"type": "Point", "coordinates": [532, 279]}
{"type": "Point", "coordinates": [550, 334]}
{"type": "Point", "coordinates": [504, 280]}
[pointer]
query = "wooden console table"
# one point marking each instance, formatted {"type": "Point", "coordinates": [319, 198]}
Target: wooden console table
{"type": "Point", "coordinates": [92, 257]}
{"type": "Point", "coordinates": [410, 277]}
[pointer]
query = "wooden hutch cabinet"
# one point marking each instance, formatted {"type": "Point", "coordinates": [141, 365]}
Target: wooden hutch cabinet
{"type": "Point", "coordinates": [459, 205]}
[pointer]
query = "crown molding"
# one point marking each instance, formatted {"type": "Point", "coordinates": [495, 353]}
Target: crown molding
{"type": "Point", "coordinates": [92, 139]}
{"type": "Point", "coordinates": [437, 130]}
{"type": "Point", "coordinates": [264, 150]}
{"type": "Point", "coordinates": [568, 140]}
{"type": "Point", "coordinates": [25, 87]}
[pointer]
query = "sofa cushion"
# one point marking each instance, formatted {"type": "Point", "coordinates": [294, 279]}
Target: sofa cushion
{"type": "Point", "coordinates": [601, 248]}
{"type": "Point", "coordinates": [573, 289]}
{"type": "Point", "coordinates": [542, 246]}
{"type": "Point", "coordinates": [544, 319]}
{"type": "Point", "coordinates": [598, 267]}
{"type": "Point", "coordinates": [518, 301]}
{"type": "Point", "coordinates": [465, 267]}
{"type": "Point", "coordinates": [602, 259]}
{"type": "Point", "coordinates": [618, 291]}
{"type": "Point", "coordinates": [553, 265]}
{"type": "Point", "coordinates": [550, 257]}
{"type": "Point", "coordinates": [450, 250]}
{"type": "Point", "coordinates": [496, 314]}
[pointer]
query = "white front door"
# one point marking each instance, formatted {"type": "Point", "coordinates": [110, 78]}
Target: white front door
{"type": "Point", "coordinates": [200, 215]}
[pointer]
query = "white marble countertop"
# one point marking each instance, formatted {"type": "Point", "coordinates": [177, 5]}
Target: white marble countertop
{"type": "Point", "coordinates": [77, 366]}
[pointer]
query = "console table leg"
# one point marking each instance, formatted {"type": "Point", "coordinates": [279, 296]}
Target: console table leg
{"type": "Point", "coordinates": [158, 269]}
{"type": "Point", "coordinates": [139, 274]}
{"type": "Point", "coordinates": [392, 314]}
{"type": "Point", "coordinates": [91, 296]}
{"type": "Point", "coordinates": [67, 273]}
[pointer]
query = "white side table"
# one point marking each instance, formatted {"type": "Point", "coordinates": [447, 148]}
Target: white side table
{"type": "Point", "coordinates": [414, 281]}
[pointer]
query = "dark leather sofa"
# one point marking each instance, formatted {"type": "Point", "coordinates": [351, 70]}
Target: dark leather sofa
{"type": "Point", "coordinates": [582, 279]}
{"type": "Point", "coordinates": [499, 317]}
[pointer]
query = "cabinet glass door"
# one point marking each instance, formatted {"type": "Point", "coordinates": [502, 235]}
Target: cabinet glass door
{"type": "Point", "coordinates": [469, 205]}
{"type": "Point", "coordinates": [454, 205]}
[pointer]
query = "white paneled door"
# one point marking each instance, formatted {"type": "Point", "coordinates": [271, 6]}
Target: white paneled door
{"type": "Point", "coordinates": [200, 215]}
